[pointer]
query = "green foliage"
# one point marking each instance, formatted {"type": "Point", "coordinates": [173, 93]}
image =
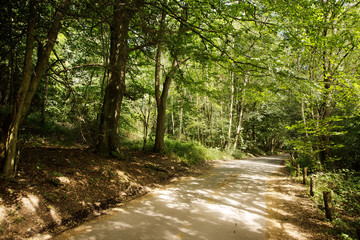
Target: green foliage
{"type": "Point", "coordinates": [349, 153]}
{"type": "Point", "coordinates": [307, 143]}
{"type": "Point", "coordinates": [345, 185]}
{"type": "Point", "coordinates": [305, 160]}
{"type": "Point", "coordinates": [256, 151]}
{"type": "Point", "coordinates": [56, 174]}
{"type": "Point", "coordinates": [191, 152]}
{"type": "Point", "coordinates": [48, 132]}
{"type": "Point", "coordinates": [237, 154]}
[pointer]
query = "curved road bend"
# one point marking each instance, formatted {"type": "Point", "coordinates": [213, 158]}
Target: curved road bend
{"type": "Point", "coordinates": [227, 203]}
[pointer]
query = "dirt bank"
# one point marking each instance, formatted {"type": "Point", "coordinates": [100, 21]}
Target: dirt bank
{"type": "Point", "coordinates": [58, 188]}
{"type": "Point", "coordinates": [291, 214]}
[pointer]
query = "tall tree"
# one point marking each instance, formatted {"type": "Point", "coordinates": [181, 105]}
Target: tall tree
{"type": "Point", "coordinates": [29, 83]}
{"type": "Point", "coordinates": [161, 96]}
{"type": "Point", "coordinates": [122, 14]}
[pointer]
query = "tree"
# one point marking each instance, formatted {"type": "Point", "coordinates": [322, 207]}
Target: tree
{"type": "Point", "coordinates": [29, 83]}
{"type": "Point", "coordinates": [115, 88]}
{"type": "Point", "coordinates": [320, 32]}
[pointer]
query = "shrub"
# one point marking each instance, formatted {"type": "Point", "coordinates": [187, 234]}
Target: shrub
{"type": "Point", "coordinates": [191, 152]}
{"type": "Point", "coordinates": [238, 154]}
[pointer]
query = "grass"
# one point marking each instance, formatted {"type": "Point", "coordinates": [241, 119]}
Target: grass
{"type": "Point", "coordinates": [237, 154]}
{"type": "Point", "coordinates": [192, 152]}
{"type": "Point", "coordinates": [188, 152]}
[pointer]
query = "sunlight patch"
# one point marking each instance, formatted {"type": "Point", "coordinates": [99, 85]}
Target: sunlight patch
{"type": "Point", "coordinates": [294, 232]}
{"type": "Point", "coordinates": [122, 175]}
{"type": "Point", "coordinates": [31, 202]}
{"type": "Point", "coordinates": [55, 216]}
{"type": "Point", "coordinates": [252, 220]}
{"type": "Point", "coordinates": [2, 213]}
{"type": "Point", "coordinates": [282, 212]}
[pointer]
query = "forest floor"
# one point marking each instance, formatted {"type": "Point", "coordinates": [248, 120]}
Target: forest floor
{"type": "Point", "coordinates": [291, 214]}
{"type": "Point", "coordinates": [59, 188]}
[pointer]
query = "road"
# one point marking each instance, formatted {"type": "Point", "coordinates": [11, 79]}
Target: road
{"type": "Point", "coordinates": [227, 203]}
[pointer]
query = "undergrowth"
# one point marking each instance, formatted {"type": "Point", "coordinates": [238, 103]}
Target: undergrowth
{"type": "Point", "coordinates": [38, 133]}
{"type": "Point", "coordinates": [188, 152]}
{"type": "Point", "coordinates": [192, 152]}
{"type": "Point", "coordinates": [345, 185]}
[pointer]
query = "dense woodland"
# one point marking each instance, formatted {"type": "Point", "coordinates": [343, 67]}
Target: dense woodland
{"type": "Point", "coordinates": [235, 75]}
{"type": "Point", "coordinates": [256, 76]}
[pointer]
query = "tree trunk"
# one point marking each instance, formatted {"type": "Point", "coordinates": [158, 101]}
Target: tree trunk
{"type": "Point", "coordinates": [211, 123]}
{"type": "Point", "coordinates": [228, 141]}
{"type": "Point", "coordinates": [43, 106]}
{"type": "Point", "coordinates": [161, 101]}
{"type": "Point", "coordinates": [181, 122]}
{"type": "Point", "coordinates": [325, 109]}
{"type": "Point", "coordinates": [146, 123]}
{"type": "Point", "coordinates": [172, 117]}
{"type": "Point", "coordinates": [27, 88]}
{"type": "Point", "coordinates": [115, 88]}
{"type": "Point", "coordinates": [241, 113]}
{"type": "Point", "coordinates": [161, 116]}
{"type": "Point", "coordinates": [161, 98]}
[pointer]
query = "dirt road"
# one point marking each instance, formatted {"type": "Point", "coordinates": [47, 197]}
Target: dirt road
{"type": "Point", "coordinates": [226, 203]}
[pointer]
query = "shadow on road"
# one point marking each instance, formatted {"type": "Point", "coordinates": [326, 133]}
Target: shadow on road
{"type": "Point", "coordinates": [227, 203]}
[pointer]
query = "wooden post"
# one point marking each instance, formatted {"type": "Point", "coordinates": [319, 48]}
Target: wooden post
{"type": "Point", "coordinates": [329, 209]}
{"type": "Point", "coordinates": [312, 186]}
{"type": "Point", "coordinates": [298, 170]}
{"type": "Point", "coordinates": [304, 174]}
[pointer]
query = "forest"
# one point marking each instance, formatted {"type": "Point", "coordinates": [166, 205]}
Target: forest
{"type": "Point", "coordinates": [169, 76]}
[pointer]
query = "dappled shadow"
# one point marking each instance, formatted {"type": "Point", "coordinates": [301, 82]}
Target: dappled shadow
{"type": "Point", "coordinates": [291, 214]}
{"type": "Point", "coordinates": [227, 203]}
{"type": "Point", "coordinates": [57, 188]}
